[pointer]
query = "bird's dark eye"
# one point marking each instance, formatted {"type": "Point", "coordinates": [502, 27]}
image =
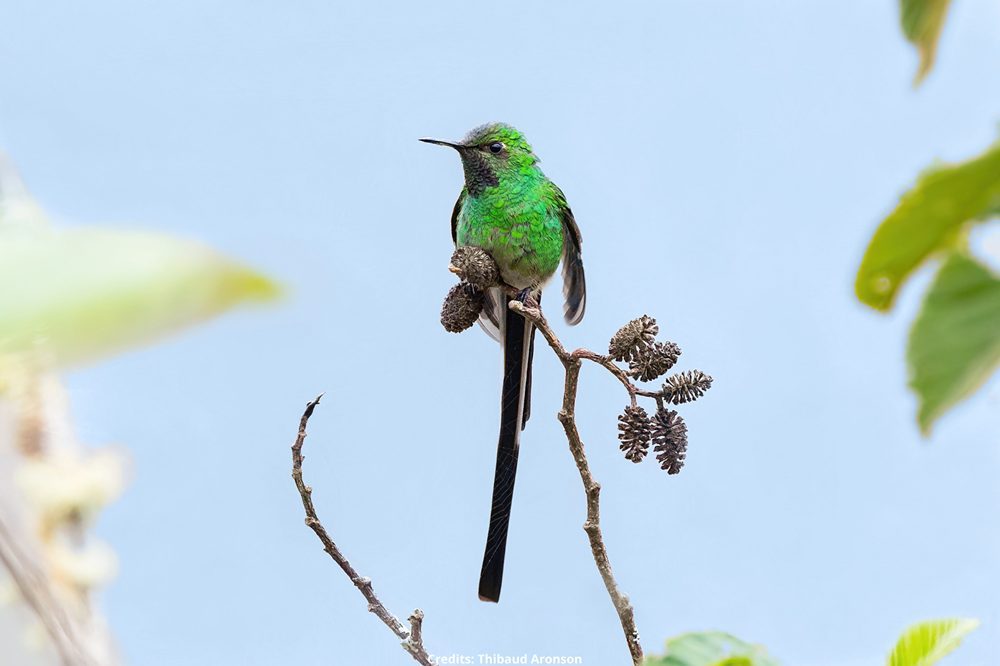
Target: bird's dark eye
{"type": "Point", "coordinates": [496, 147]}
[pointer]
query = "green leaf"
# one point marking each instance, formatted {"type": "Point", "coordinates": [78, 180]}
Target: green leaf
{"type": "Point", "coordinates": [77, 294]}
{"type": "Point", "coordinates": [925, 643]}
{"type": "Point", "coordinates": [922, 21]}
{"type": "Point", "coordinates": [710, 648]}
{"type": "Point", "coordinates": [929, 218]}
{"type": "Point", "coordinates": [955, 340]}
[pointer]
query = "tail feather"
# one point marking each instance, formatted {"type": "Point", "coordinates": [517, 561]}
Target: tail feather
{"type": "Point", "coordinates": [526, 412]}
{"type": "Point", "coordinates": [531, 362]}
{"type": "Point", "coordinates": [517, 335]}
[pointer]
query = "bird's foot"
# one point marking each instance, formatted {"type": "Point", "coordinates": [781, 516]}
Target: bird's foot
{"type": "Point", "coordinates": [527, 297]}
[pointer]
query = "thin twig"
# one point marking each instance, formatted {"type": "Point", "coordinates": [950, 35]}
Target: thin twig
{"type": "Point", "coordinates": [412, 639]}
{"type": "Point", "coordinates": [36, 591]}
{"type": "Point", "coordinates": [567, 416]}
{"type": "Point", "coordinates": [40, 424]}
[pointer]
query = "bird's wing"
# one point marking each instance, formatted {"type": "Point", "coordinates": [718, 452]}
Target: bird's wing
{"type": "Point", "coordinates": [454, 216]}
{"type": "Point", "coordinates": [574, 283]}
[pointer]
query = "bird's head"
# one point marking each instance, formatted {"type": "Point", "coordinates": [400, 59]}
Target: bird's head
{"type": "Point", "coordinates": [491, 153]}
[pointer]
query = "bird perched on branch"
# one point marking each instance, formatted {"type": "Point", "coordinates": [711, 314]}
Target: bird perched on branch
{"type": "Point", "coordinates": [510, 209]}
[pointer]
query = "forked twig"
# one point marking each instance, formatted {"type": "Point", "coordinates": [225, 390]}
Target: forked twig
{"type": "Point", "coordinates": [412, 639]}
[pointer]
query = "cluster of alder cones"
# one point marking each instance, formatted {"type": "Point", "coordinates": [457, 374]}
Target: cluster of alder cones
{"type": "Point", "coordinates": [635, 343]}
{"type": "Point", "coordinates": [477, 272]}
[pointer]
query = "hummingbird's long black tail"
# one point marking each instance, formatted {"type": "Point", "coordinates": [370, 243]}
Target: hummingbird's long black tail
{"type": "Point", "coordinates": [518, 335]}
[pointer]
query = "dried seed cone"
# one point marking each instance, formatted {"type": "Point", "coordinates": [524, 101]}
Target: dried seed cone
{"type": "Point", "coordinates": [686, 386]}
{"type": "Point", "coordinates": [670, 440]}
{"type": "Point", "coordinates": [652, 362]}
{"type": "Point", "coordinates": [633, 337]}
{"type": "Point", "coordinates": [475, 266]}
{"type": "Point", "coordinates": [634, 433]}
{"type": "Point", "coordinates": [461, 307]}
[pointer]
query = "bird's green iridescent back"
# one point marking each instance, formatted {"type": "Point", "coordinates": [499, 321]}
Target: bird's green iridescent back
{"type": "Point", "coordinates": [519, 221]}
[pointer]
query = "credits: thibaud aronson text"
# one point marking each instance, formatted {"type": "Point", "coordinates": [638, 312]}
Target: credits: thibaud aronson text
{"type": "Point", "coordinates": [495, 659]}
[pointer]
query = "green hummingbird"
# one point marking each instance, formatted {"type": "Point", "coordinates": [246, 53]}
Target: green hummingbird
{"type": "Point", "coordinates": [510, 209]}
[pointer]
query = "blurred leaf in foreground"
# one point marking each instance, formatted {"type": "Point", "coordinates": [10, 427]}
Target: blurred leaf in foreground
{"type": "Point", "coordinates": [925, 643]}
{"type": "Point", "coordinates": [928, 218]}
{"type": "Point", "coordinates": [76, 294]}
{"type": "Point", "coordinates": [710, 648]}
{"type": "Point", "coordinates": [955, 341]}
{"type": "Point", "coordinates": [922, 21]}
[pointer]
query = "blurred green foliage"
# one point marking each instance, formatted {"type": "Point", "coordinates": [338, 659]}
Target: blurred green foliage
{"type": "Point", "coordinates": [922, 21]}
{"type": "Point", "coordinates": [921, 644]}
{"type": "Point", "coordinates": [76, 294]}
{"type": "Point", "coordinates": [710, 648]}
{"type": "Point", "coordinates": [955, 341]}
{"type": "Point", "coordinates": [954, 345]}
{"type": "Point", "coordinates": [931, 217]}
{"type": "Point", "coordinates": [925, 643]}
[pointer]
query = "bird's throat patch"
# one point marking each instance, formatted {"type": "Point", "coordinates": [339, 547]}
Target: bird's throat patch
{"type": "Point", "coordinates": [479, 173]}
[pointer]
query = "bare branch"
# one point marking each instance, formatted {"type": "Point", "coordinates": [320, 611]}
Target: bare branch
{"type": "Point", "coordinates": [412, 639]}
{"type": "Point", "coordinates": [37, 592]}
{"type": "Point", "coordinates": [35, 416]}
{"type": "Point", "coordinates": [567, 416]}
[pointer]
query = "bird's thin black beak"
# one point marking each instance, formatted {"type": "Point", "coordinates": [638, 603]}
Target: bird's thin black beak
{"type": "Point", "coordinates": [439, 142]}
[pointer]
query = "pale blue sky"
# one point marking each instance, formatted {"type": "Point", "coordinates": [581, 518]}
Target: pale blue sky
{"type": "Point", "coordinates": [726, 162]}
